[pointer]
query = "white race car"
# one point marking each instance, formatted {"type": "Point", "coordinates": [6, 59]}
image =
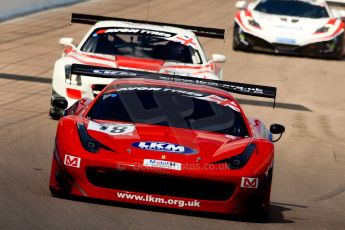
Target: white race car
{"type": "Point", "coordinates": [302, 27]}
{"type": "Point", "coordinates": [130, 44]}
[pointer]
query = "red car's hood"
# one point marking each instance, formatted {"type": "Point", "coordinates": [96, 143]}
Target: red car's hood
{"type": "Point", "coordinates": [160, 142]}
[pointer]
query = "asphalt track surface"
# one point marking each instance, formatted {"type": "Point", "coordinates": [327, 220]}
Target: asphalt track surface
{"type": "Point", "coordinates": [309, 176]}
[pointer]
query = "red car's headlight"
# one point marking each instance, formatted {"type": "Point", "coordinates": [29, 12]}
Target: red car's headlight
{"type": "Point", "coordinates": [238, 161]}
{"type": "Point", "coordinates": [88, 142]}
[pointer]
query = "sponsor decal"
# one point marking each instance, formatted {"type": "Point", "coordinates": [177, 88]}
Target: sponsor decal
{"type": "Point", "coordinates": [179, 73]}
{"type": "Point", "coordinates": [162, 164]}
{"type": "Point", "coordinates": [163, 147]}
{"type": "Point", "coordinates": [248, 182]}
{"type": "Point", "coordinates": [72, 161]}
{"type": "Point", "coordinates": [184, 40]}
{"type": "Point", "coordinates": [140, 88]}
{"type": "Point", "coordinates": [136, 31]}
{"type": "Point", "coordinates": [179, 91]}
{"type": "Point", "coordinates": [105, 96]}
{"type": "Point", "coordinates": [221, 101]}
{"type": "Point", "coordinates": [158, 200]}
{"type": "Point", "coordinates": [289, 28]}
{"type": "Point", "coordinates": [288, 41]}
{"type": "Point", "coordinates": [114, 73]}
{"type": "Point", "coordinates": [112, 129]}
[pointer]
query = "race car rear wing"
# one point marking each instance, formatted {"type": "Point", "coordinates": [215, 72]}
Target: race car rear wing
{"type": "Point", "coordinates": [199, 31]}
{"type": "Point", "coordinates": [233, 87]}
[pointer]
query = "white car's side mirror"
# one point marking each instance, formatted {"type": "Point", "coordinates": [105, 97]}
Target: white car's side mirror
{"type": "Point", "coordinates": [241, 5]}
{"type": "Point", "coordinates": [67, 42]}
{"type": "Point", "coordinates": [218, 58]}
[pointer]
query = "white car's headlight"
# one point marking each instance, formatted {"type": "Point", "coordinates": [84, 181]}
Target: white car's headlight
{"type": "Point", "coordinates": [254, 23]}
{"type": "Point", "coordinates": [323, 29]}
{"type": "Point", "coordinates": [327, 27]}
{"type": "Point", "coordinates": [251, 20]}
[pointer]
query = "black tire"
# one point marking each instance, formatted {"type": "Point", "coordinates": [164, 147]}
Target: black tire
{"type": "Point", "coordinates": [64, 186]}
{"type": "Point", "coordinates": [261, 205]}
{"type": "Point", "coordinates": [235, 39]}
{"type": "Point", "coordinates": [55, 192]}
{"type": "Point", "coordinates": [339, 56]}
{"type": "Point", "coordinates": [55, 114]}
{"type": "Point", "coordinates": [236, 44]}
{"type": "Point", "coordinates": [263, 212]}
{"type": "Point", "coordinates": [340, 51]}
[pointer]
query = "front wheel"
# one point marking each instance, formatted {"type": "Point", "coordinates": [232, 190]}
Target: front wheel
{"type": "Point", "coordinates": [55, 112]}
{"type": "Point", "coordinates": [236, 39]}
{"type": "Point", "coordinates": [260, 207]}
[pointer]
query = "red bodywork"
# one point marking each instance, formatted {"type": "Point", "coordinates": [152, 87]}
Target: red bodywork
{"type": "Point", "coordinates": [203, 183]}
{"type": "Point", "coordinates": [150, 65]}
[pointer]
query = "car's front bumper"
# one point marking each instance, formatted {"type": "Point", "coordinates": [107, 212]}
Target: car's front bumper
{"type": "Point", "coordinates": [108, 179]}
{"type": "Point", "coordinates": [332, 48]}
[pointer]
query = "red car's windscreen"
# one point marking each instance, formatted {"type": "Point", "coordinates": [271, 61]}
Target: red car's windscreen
{"type": "Point", "coordinates": [173, 107]}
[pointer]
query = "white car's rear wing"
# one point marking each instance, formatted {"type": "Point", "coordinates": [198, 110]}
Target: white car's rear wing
{"type": "Point", "coordinates": [199, 31]}
{"type": "Point", "coordinates": [233, 87]}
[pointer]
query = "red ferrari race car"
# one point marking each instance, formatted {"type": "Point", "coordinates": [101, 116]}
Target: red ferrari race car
{"type": "Point", "coordinates": [167, 141]}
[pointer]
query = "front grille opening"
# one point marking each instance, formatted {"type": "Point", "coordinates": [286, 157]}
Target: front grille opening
{"type": "Point", "coordinates": [158, 184]}
{"type": "Point", "coordinates": [286, 47]}
{"type": "Point", "coordinates": [257, 42]}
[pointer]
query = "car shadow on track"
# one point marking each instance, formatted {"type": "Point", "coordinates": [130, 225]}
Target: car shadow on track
{"type": "Point", "coordinates": [277, 210]}
{"type": "Point", "coordinates": [276, 214]}
{"type": "Point", "coordinates": [279, 105]}
{"type": "Point", "coordinates": [25, 78]}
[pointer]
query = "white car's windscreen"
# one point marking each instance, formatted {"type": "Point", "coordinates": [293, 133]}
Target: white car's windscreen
{"type": "Point", "coordinates": [140, 43]}
{"type": "Point", "coordinates": [293, 8]}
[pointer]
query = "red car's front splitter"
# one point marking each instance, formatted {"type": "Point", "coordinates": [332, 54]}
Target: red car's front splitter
{"type": "Point", "coordinates": [62, 182]}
